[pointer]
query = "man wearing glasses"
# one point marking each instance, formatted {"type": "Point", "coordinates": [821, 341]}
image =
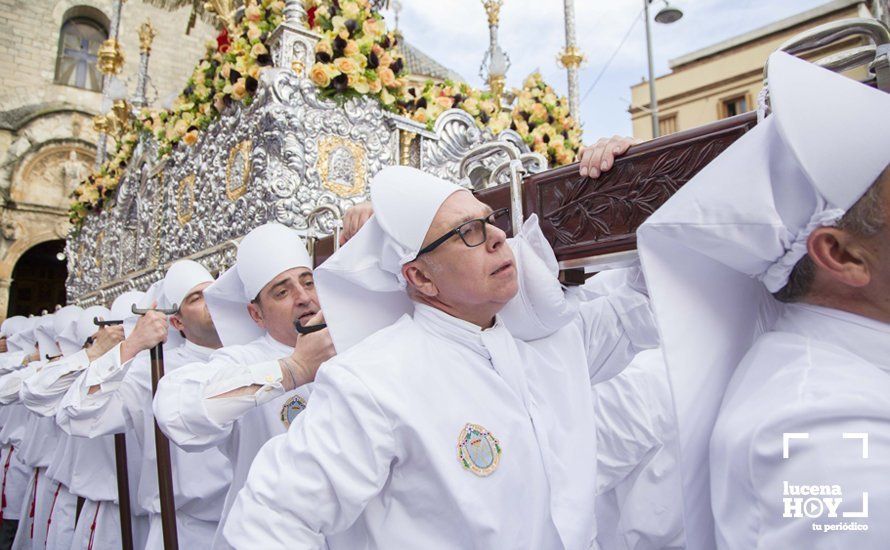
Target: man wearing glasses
{"type": "Point", "coordinates": [434, 426]}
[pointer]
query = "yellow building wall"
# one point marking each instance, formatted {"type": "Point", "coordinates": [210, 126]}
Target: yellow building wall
{"type": "Point", "coordinates": [694, 92]}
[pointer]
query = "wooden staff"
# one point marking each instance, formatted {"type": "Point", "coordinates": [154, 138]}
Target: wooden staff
{"type": "Point", "coordinates": [123, 475]}
{"type": "Point", "coordinates": [162, 445]}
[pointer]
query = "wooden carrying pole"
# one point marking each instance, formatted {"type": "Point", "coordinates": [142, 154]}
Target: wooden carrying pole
{"type": "Point", "coordinates": [123, 476]}
{"type": "Point", "coordinates": [162, 446]}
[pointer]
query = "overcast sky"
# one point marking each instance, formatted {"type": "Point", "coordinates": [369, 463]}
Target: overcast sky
{"type": "Point", "coordinates": [455, 33]}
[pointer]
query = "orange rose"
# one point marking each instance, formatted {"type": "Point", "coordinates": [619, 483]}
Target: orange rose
{"type": "Point", "coordinates": [253, 13]}
{"type": "Point", "coordinates": [319, 76]}
{"type": "Point", "coordinates": [387, 77]}
{"type": "Point", "coordinates": [445, 102]}
{"type": "Point", "coordinates": [239, 90]}
{"type": "Point", "coordinates": [346, 65]}
{"type": "Point", "coordinates": [191, 137]}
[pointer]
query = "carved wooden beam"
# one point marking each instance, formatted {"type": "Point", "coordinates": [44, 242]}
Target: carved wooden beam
{"type": "Point", "coordinates": [586, 219]}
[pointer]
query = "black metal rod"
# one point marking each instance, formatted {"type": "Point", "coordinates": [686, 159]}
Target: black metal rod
{"type": "Point", "coordinates": [309, 329]}
{"type": "Point", "coordinates": [165, 465]}
{"type": "Point", "coordinates": [123, 490]}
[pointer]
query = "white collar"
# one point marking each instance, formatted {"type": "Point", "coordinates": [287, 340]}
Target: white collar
{"type": "Point", "coordinates": [196, 349]}
{"type": "Point", "coordinates": [441, 324]}
{"type": "Point", "coordinates": [860, 336]}
{"type": "Point", "coordinates": [276, 345]}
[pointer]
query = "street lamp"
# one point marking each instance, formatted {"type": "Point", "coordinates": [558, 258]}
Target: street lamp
{"type": "Point", "coordinates": [666, 15]}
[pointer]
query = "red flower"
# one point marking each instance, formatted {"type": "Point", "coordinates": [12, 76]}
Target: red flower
{"type": "Point", "coordinates": [310, 16]}
{"type": "Point", "coordinates": [222, 41]}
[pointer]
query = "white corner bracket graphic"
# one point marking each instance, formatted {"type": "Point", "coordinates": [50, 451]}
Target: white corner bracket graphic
{"type": "Point", "coordinates": [863, 437]}
{"type": "Point", "coordinates": [788, 436]}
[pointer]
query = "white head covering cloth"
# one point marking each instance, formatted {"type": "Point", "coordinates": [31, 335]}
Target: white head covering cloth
{"type": "Point", "coordinates": [360, 288]}
{"type": "Point", "coordinates": [23, 338]}
{"type": "Point", "coordinates": [86, 326]}
{"type": "Point", "coordinates": [11, 325]}
{"type": "Point", "coordinates": [46, 336]}
{"type": "Point", "coordinates": [745, 218]}
{"type": "Point", "coordinates": [122, 309]}
{"type": "Point", "coordinates": [65, 327]}
{"type": "Point", "coordinates": [265, 253]}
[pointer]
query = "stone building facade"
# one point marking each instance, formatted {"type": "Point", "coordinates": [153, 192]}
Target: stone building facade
{"type": "Point", "coordinates": [48, 95]}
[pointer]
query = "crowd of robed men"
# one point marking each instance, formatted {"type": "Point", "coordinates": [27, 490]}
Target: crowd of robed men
{"type": "Point", "coordinates": [460, 397]}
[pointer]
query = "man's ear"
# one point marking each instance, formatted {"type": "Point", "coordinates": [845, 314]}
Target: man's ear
{"type": "Point", "coordinates": [256, 314]}
{"type": "Point", "coordinates": [419, 279]}
{"type": "Point", "coordinates": [840, 255]}
{"type": "Point", "coordinates": [176, 321]}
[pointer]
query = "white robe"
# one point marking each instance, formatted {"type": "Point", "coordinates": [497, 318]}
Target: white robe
{"type": "Point", "coordinates": [820, 372]}
{"type": "Point", "coordinates": [375, 460]}
{"type": "Point", "coordinates": [85, 467]}
{"type": "Point", "coordinates": [35, 451]}
{"type": "Point", "coordinates": [239, 426]}
{"type": "Point", "coordinates": [638, 474]}
{"type": "Point", "coordinates": [124, 403]}
{"type": "Point", "coordinates": [16, 475]}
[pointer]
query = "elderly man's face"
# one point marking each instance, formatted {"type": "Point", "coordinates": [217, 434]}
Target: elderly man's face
{"type": "Point", "coordinates": [472, 283]}
{"type": "Point", "coordinates": [288, 297]}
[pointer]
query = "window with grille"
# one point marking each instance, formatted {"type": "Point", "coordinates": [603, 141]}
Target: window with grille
{"type": "Point", "coordinates": [667, 124]}
{"type": "Point", "coordinates": [78, 53]}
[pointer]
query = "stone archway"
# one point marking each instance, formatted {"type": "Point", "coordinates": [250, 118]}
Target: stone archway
{"type": "Point", "coordinates": [38, 279]}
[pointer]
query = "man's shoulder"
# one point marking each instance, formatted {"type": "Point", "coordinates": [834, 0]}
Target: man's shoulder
{"type": "Point", "coordinates": [252, 352]}
{"type": "Point", "coordinates": [389, 348]}
{"type": "Point", "coordinates": [787, 377]}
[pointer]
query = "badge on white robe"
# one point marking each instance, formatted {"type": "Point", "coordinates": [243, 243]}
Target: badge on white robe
{"type": "Point", "coordinates": [478, 450]}
{"type": "Point", "coordinates": [291, 408]}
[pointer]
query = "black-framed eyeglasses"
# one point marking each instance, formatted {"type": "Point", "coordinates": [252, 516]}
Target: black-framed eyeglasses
{"type": "Point", "coordinates": [472, 233]}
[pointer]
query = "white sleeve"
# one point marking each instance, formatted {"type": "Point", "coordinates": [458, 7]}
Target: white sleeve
{"type": "Point", "coordinates": [625, 433]}
{"type": "Point", "coordinates": [616, 327]}
{"type": "Point", "coordinates": [190, 414]}
{"type": "Point", "coordinates": [11, 383]}
{"type": "Point", "coordinates": [11, 361]}
{"type": "Point", "coordinates": [337, 458]}
{"type": "Point", "coordinates": [42, 392]}
{"type": "Point", "coordinates": [116, 407]}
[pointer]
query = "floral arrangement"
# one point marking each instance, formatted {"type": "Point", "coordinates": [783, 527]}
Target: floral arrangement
{"type": "Point", "coordinates": [228, 72]}
{"type": "Point", "coordinates": [538, 115]}
{"type": "Point", "coordinates": [92, 193]}
{"type": "Point", "coordinates": [356, 55]}
{"type": "Point", "coordinates": [426, 105]}
{"type": "Point", "coordinates": [544, 121]}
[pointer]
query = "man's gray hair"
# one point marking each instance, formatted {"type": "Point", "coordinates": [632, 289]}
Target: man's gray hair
{"type": "Point", "coordinates": [865, 218]}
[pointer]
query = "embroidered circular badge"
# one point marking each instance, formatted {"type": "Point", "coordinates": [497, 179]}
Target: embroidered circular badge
{"type": "Point", "coordinates": [478, 450]}
{"type": "Point", "coordinates": [291, 408]}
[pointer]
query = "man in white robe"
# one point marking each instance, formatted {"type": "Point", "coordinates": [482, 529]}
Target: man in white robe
{"type": "Point", "coordinates": [434, 427]}
{"type": "Point", "coordinates": [14, 482]}
{"type": "Point", "coordinates": [41, 437]}
{"type": "Point", "coordinates": [800, 451]}
{"type": "Point", "coordinates": [86, 467]}
{"type": "Point", "coordinates": [59, 519]}
{"type": "Point", "coordinates": [242, 396]}
{"type": "Point", "coordinates": [115, 396]}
